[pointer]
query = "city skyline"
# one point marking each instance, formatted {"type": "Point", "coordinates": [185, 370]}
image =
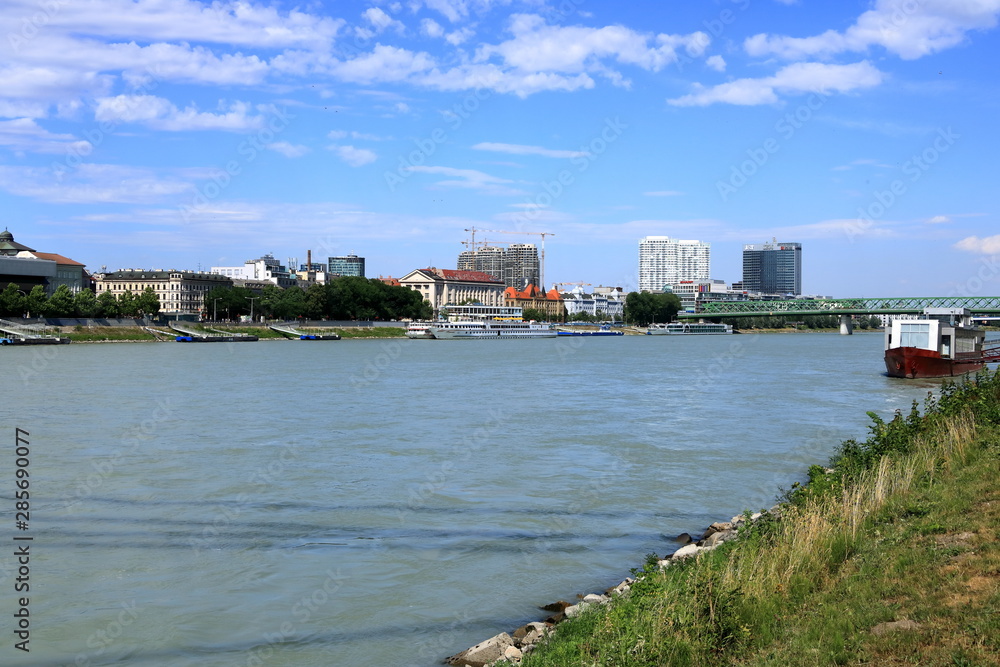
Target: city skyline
{"type": "Point", "coordinates": [185, 134]}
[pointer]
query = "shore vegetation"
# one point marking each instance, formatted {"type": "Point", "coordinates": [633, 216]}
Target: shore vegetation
{"type": "Point", "coordinates": [887, 555]}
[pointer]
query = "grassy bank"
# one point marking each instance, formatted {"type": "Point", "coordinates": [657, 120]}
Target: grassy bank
{"type": "Point", "coordinates": [106, 334]}
{"type": "Point", "coordinates": [79, 334]}
{"type": "Point", "coordinates": [900, 529]}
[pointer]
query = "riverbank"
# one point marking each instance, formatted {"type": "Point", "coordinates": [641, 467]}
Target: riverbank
{"type": "Point", "coordinates": [80, 334]}
{"type": "Point", "coordinates": [887, 556]}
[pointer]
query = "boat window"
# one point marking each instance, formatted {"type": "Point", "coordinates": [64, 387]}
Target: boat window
{"type": "Point", "coordinates": [913, 334]}
{"type": "Point", "coordinates": [945, 346]}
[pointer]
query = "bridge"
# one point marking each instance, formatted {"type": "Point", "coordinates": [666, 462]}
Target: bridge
{"type": "Point", "coordinates": [977, 305]}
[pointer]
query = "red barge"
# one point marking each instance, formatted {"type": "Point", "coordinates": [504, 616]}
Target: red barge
{"type": "Point", "coordinates": [941, 344]}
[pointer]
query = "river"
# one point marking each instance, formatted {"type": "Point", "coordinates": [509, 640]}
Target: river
{"type": "Point", "coordinates": [369, 503]}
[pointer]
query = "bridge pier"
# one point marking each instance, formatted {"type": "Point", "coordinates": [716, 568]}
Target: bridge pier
{"type": "Point", "coordinates": [846, 325]}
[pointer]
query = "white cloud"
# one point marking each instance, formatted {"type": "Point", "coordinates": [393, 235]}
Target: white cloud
{"type": "Point", "coordinates": [355, 157]}
{"type": "Point", "coordinates": [287, 149]}
{"type": "Point", "coordinates": [161, 114]}
{"type": "Point", "coordinates": [379, 22]}
{"type": "Point", "coordinates": [24, 134]}
{"type": "Point", "coordinates": [384, 63]}
{"type": "Point", "coordinates": [938, 220]}
{"type": "Point", "coordinates": [468, 178]}
{"type": "Point", "coordinates": [343, 134]}
{"type": "Point", "coordinates": [518, 149]}
{"type": "Point", "coordinates": [93, 183]}
{"type": "Point", "coordinates": [989, 245]}
{"type": "Point", "coordinates": [908, 29]}
{"type": "Point", "coordinates": [716, 62]}
{"type": "Point", "coordinates": [538, 47]}
{"type": "Point", "coordinates": [459, 36]}
{"type": "Point", "coordinates": [792, 79]}
{"type": "Point", "coordinates": [431, 28]}
{"type": "Point", "coordinates": [663, 193]}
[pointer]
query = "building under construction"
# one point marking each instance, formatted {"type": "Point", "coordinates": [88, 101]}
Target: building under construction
{"type": "Point", "coordinates": [516, 265]}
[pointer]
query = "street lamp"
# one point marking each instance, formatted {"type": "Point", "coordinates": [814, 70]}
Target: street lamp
{"type": "Point", "coordinates": [252, 299]}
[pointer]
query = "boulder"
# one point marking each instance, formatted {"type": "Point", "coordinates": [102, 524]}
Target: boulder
{"type": "Point", "coordinates": [593, 598]}
{"type": "Point", "coordinates": [555, 606]}
{"type": "Point", "coordinates": [621, 588]}
{"type": "Point", "coordinates": [512, 654]}
{"type": "Point", "coordinates": [530, 634]}
{"type": "Point", "coordinates": [484, 653]}
{"type": "Point", "coordinates": [686, 552]}
{"type": "Point", "coordinates": [716, 527]}
{"type": "Point", "coordinates": [683, 538]}
{"type": "Point", "coordinates": [715, 539]}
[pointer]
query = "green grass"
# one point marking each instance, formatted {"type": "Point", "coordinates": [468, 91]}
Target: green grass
{"type": "Point", "coordinates": [103, 334]}
{"type": "Point", "coordinates": [903, 528]}
{"type": "Point", "coordinates": [371, 332]}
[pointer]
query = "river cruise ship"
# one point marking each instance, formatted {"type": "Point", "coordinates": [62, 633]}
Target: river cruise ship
{"type": "Point", "coordinates": [688, 328]}
{"type": "Point", "coordinates": [491, 330]}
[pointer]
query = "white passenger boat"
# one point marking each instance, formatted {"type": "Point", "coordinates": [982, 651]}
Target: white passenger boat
{"type": "Point", "coordinates": [491, 330]}
{"type": "Point", "coordinates": [688, 328]}
{"type": "Point", "coordinates": [419, 330]}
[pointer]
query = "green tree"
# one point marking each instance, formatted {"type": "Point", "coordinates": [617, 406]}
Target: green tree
{"type": "Point", "coordinates": [85, 304]}
{"type": "Point", "coordinates": [128, 305]}
{"type": "Point", "coordinates": [34, 304]}
{"type": "Point", "coordinates": [61, 303]}
{"type": "Point", "coordinates": [292, 304]}
{"type": "Point", "coordinates": [645, 308]}
{"type": "Point", "coordinates": [148, 303]}
{"type": "Point", "coordinates": [317, 302]}
{"type": "Point", "coordinates": [11, 301]}
{"type": "Point", "coordinates": [108, 304]}
{"type": "Point", "coordinates": [535, 314]}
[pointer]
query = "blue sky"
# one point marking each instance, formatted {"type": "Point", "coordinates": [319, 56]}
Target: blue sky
{"type": "Point", "coordinates": [179, 134]}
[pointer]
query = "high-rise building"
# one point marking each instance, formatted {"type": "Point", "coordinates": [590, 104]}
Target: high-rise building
{"type": "Point", "coordinates": [664, 261]}
{"type": "Point", "coordinates": [350, 265]}
{"type": "Point", "coordinates": [520, 265]}
{"type": "Point", "coordinates": [772, 268]}
{"type": "Point", "coordinates": [516, 265]}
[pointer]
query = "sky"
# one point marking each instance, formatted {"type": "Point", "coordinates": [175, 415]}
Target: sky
{"type": "Point", "coordinates": [185, 134]}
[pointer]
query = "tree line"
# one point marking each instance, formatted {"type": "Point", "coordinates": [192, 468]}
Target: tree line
{"type": "Point", "coordinates": [345, 298]}
{"type": "Point", "coordinates": [14, 302]}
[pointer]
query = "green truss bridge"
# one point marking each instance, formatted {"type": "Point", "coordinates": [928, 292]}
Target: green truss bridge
{"type": "Point", "coordinates": [977, 305]}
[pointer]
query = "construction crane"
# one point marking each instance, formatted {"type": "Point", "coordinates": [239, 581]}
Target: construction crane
{"type": "Point", "coordinates": [541, 268]}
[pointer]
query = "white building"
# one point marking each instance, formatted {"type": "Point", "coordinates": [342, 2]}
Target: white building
{"type": "Point", "coordinates": [664, 261]}
{"type": "Point", "coordinates": [609, 301]}
{"type": "Point", "coordinates": [266, 268]}
{"type": "Point", "coordinates": [443, 287]}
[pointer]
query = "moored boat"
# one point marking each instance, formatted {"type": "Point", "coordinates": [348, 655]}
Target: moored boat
{"type": "Point", "coordinates": [941, 344]}
{"type": "Point", "coordinates": [419, 330]}
{"type": "Point", "coordinates": [688, 328]}
{"type": "Point", "coordinates": [491, 330]}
